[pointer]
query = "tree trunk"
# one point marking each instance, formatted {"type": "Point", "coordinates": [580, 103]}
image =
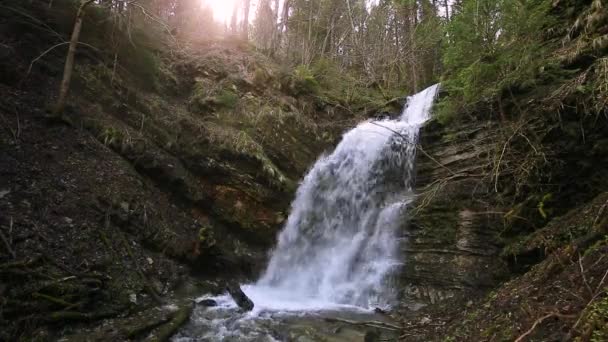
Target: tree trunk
{"type": "Point", "coordinates": [274, 36]}
{"type": "Point", "coordinates": [233, 20]}
{"type": "Point", "coordinates": [246, 19]}
{"type": "Point", "coordinates": [69, 61]}
{"type": "Point", "coordinates": [283, 23]}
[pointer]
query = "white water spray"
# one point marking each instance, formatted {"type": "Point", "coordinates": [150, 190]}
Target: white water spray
{"type": "Point", "coordinates": [340, 242]}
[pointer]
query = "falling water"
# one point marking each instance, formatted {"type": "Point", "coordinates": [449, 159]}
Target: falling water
{"type": "Point", "coordinates": [340, 243]}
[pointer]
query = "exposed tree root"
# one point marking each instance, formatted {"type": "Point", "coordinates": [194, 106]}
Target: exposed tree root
{"type": "Point", "coordinates": [164, 332]}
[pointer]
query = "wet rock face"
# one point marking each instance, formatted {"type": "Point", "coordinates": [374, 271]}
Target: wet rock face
{"type": "Point", "coordinates": [452, 238]}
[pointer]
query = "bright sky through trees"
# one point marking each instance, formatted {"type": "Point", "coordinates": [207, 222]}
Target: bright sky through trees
{"type": "Point", "coordinates": [222, 9]}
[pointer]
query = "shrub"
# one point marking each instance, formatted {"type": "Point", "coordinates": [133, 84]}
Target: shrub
{"type": "Point", "coordinates": [304, 81]}
{"type": "Point", "coordinates": [227, 99]}
{"type": "Point", "coordinates": [493, 46]}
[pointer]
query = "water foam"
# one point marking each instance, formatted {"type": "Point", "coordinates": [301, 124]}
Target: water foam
{"type": "Point", "coordinates": [341, 241]}
{"type": "Point", "coordinates": [340, 244]}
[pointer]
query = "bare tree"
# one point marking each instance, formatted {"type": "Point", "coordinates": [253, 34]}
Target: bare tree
{"type": "Point", "coordinates": [233, 20]}
{"type": "Point", "coordinates": [69, 61]}
{"type": "Point", "coordinates": [247, 4]}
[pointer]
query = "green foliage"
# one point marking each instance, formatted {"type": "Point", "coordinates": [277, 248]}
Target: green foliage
{"type": "Point", "coordinates": [144, 65]}
{"type": "Point", "coordinates": [206, 236]}
{"type": "Point", "coordinates": [304, 81]}
{"type": "Point", "coordinates": [493, 46]}
{"type": "Point", "coordinates": [445, 112]}
{"type": "Point", "coordinates": [227, 98]}
{"type": "Point", "coordinates": [240, 142]}
{"type": "Point", "coordinates": [131, 46]}
{"type": "Point", "coordinates": [212, 96]}
{"type": "Point", "coordinates": [542, 210]}
{"type": "Point", "coordinates": [596, 320]}
{"type": "Point", "coordinates": [345, 88]}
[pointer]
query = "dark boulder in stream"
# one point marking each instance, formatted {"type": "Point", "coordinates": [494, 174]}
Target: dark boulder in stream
{"type": "Point", "coordinates": [240, 298]}
{"type": "Point", "coordinates": [207, 302]}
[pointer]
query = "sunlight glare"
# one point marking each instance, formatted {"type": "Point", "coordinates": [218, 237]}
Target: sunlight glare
{"type": "Point", "coordinates": [222, 9]}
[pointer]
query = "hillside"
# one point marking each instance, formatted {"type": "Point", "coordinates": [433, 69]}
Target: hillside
{"type": "Point", "coordinates": [177, 162]}
{"type": "Point", "coordinates": [171, 170]}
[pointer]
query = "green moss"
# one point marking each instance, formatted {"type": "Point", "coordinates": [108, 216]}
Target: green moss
{"type": "Point", "coordinates": [444, 112]}
{"type": "Point", "coordinates": [206, 236]}
{"type": "Point", "coordinates": [227, 99]}
{"type": "Point", "coordinates": [239, 142]}
{"type": "Point", "coordinates": [596, 320]}
{"type": "Point", "coordinates": [208, 96]}
{"type": "Point", "coordinates": [110, 136]}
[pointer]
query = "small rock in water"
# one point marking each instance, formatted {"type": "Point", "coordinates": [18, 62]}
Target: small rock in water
{"type": "Point", "coordinates": [207, 302]}
{"type": "Point", "coordinates": [380, 311]}
{"type": "Point", "coordinates": [239, 297]}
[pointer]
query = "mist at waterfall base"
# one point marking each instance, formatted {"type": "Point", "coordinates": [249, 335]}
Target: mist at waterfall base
{"type": "Point", "coordinates": [341, 242]}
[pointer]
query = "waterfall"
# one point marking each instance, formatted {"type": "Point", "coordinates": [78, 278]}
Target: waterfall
{"type": "Point", "coordinates": [340, 243]}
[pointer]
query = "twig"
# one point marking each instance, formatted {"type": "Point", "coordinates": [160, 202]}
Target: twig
{"type": "Point", "coordinates": [53, 300]}
{"type": "Point", "coordinates": [497, 172]}
{"type": "Point", "coordinates": [599, 213]}
{"type": "Point", "coordinates": [29, 70]}
{"type": "Point", "coordinates": [35, 20]}
{"type": "Point", "coordinates": [8, 127]}
{"type": "Point", "coordinates": [418, 146]}
{"type": "Point", "coordinates": [6, 241]}
{"type": "Point", "coordinates": [582, 270]}
{"type": "Point", "coordinates": [580, 317]}
{"type": "Point", "coordinates": [434, 160]}
{"type": "Point", "coordinates": [18, 134]}
{"type": "Point", "coordinates": [539, 321]}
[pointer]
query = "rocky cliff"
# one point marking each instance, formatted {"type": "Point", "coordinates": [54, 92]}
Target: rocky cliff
{"type": "Point", "coordinates": [507, 238]}
{"type": "Point", "coordinates": [453, 235]}
{"type": "Point", "coordinates": [170, 171]}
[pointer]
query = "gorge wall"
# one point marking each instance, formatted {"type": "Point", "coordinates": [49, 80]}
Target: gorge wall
{"type": "Point", "coordinates": [453, 235]}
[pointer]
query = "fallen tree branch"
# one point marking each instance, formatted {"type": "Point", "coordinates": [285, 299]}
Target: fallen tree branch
{"type": "Point", "coordinates": [598, 291]}
{"type": "Point", "coordinates": [53, 300]}
{"type": "Point", "coordinates": [167, 330]}
{"type": "Point", "coordinates": [539, 321]}
{"type": "Point", "coordinates": [372, 324]}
